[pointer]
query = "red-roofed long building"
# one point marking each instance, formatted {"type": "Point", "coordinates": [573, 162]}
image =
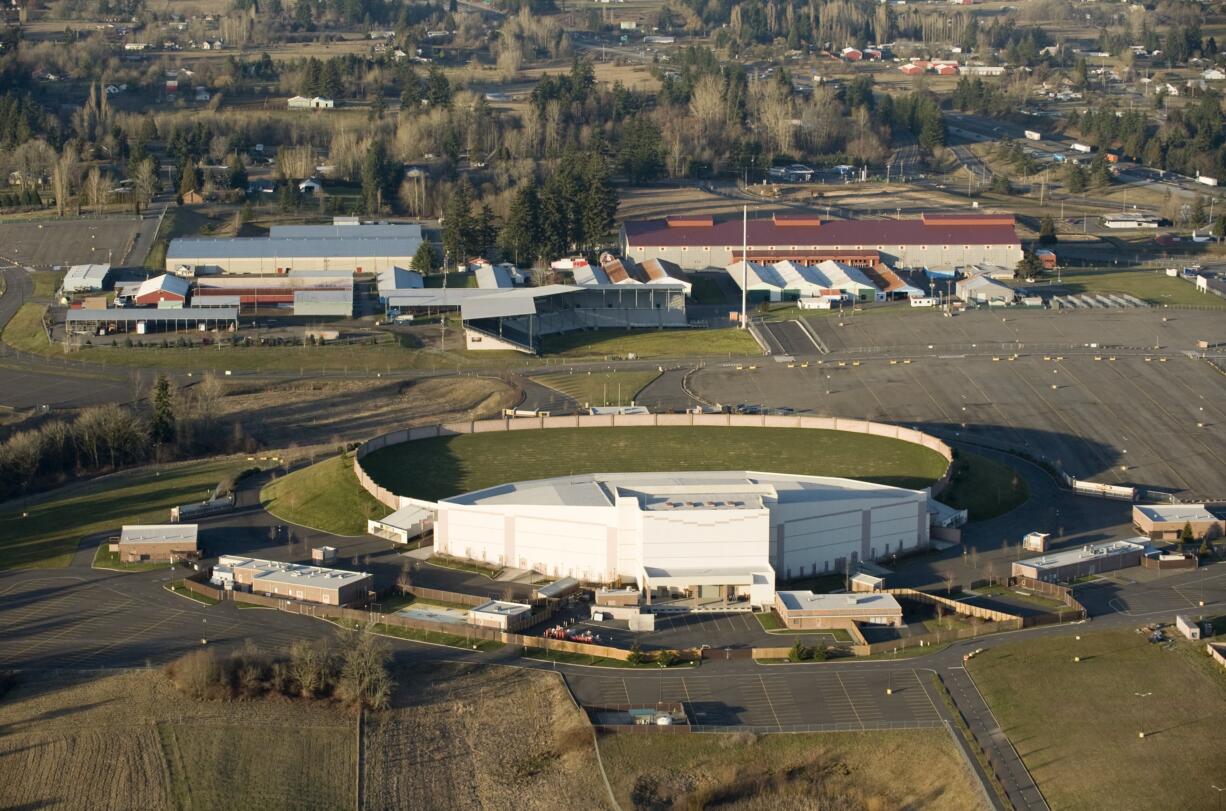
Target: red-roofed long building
{"type": "Point", "coordinates": [938, 241]}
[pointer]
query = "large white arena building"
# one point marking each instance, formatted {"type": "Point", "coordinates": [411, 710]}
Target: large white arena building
{"type": "Point", "coordinates": [723, 535]}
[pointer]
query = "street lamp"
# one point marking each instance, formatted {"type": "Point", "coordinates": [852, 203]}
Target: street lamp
{"type": "Point", "coordinates": [1219, 790]}
{"type": "Point", "coordinates": [1140, 724]}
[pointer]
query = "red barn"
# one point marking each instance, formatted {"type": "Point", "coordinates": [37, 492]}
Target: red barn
{"type": "Point", "coordinates": [161, 288]}
{"type": "Point", "coordinates": [852, 54]}
{"type": "Point", "coordinates": [947, 70]}
{"type": "Point", "coordinates": [911, 70]}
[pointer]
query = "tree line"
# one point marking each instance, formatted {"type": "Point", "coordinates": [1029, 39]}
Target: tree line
{"type": "Point", "coordinates": [172, 424]}
{"type": "Point", "coordinates": [351, 667]}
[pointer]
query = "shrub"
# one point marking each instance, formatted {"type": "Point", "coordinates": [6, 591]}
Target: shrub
{"type": "Point", "coordinates": [198, 674]}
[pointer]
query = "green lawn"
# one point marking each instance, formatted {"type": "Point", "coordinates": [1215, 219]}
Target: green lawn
{"type": "Point", "coordinates": [599, 388]}
{"type": "Point", "coordinates": [436, 637]}
{"type": "Point", "coordinates": [55, 521]}
{"type": "Point", "coordinates": [106, 559]}
{"type": "Point", "coordinates": [772, 622]}
{"type": "Point", "coordinates": [46, 282]}
{"type": "Point", "coordinates": [25, 330]}
{"type": "Point", "coordinates": [1153, 286]}
{"type": "Point", "coordinates": [461, 565]}
{"type": "Point", "coordinates": [325, 496]}
{"type": "Point", "coordinates": [454, 279]}
{"type": "Point", "coordinates": [984, 487]}
{"type": "Point", "coordinates": [1076, 725]}
{"type": "Point", "coordinates": [651, 343]}
{"type": "Point", "coordinates": [445, 466]}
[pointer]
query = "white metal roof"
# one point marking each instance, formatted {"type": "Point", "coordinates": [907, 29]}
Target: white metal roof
{"type": "Point", "coordinates": [185, 248]}
{"type": "Point", "coordinates": [394, 279]}
{"type": "Point", "coordinates": [844, 276]}
{"type": "Point", "coordinates": [159, 533]}
{"type": "Point", "coordinates": [326, 296]}
{"type": "Point", "coordinates": [395, 230]}
{"type": "Point", "coordinates": [166, 283]}
{"type": "Point", "coordinates": [179, 314]}
{"type": "Point", "coordinates": [588, 274]}
{"type": "Point", "coordinates": [501, 608]}
{"type": "Point", "coordinates": [842, 603]}
{"type": "Point", "coordinates": [85, 277]}
{"type": "Point", "coordinates": [602, 489]}
{"type": "Point", "coordinates": [1064, 557]}
{"type": "Point", "coordinates": [493, 277]}
{"type": "Point", "coordinates": [1168, 513]}
{"type": "Point", "coordinates": [275, 571]}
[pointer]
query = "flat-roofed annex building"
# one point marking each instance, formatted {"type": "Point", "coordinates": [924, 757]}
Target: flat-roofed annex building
{"type": "Point", "coordinates": [1165, 522]}
{"type": "Point", "coordinates": [295, 581]}
{"type": "Point", "coordinates": [804, 609]}
{"type": "Point", "coordinates": [942, 241]}
{"type": "Point", "coordinates": [710, 536]}
{"type": "Point", "coordinates": [1081, 561]}
{"type": "Point", "coordinates": [157, 543]}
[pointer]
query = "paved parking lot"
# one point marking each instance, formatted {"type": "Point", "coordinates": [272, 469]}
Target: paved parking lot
{"type": "Point", "coordinates": [1144, 420]}
{"type": "Point", "coordinates": [777, 697]}
{"type": "Point", "coordinates": [1131, 592]}
{"type": "Point", "coordinates": [788, 338]}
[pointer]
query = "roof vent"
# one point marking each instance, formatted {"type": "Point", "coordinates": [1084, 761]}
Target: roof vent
{"type": "Point", "coordinates": [796, 220]}
{"type": "Point", "coordinates": [690, 222]}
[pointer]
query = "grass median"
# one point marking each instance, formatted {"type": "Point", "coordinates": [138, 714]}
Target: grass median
{"type": "Point", "coordinates": [46, 530]}
{"type": "Point", "coordinates": [651, 343]}
{"type": "Point", "coordinates": [984, 487]}
{"type": "Point", "coordinates": [178, 588]}
{"type": "Point", "coordinates": [324, 496]}
{"type": "Point", "coordinates": [1150, 285]}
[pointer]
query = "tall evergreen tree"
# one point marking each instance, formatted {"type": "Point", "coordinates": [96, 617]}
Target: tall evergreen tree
{"type": "Point", "coordinates": [521, 233]}
{"type": "Point", "coordinates": [458, 239]}
{"type": "Point", "coordinates": [162, 424]}
{"type": "Point", "coordinates": [598, 203]}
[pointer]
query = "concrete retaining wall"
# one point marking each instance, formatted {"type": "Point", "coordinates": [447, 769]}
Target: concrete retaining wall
{"type": "Point", "coordinates": [394, 501]}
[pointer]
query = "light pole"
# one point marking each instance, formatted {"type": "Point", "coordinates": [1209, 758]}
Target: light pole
{"type": "Point", "coordinates": [1219, 790]}
{"type": "Point", "coordinates": [1140, 715]}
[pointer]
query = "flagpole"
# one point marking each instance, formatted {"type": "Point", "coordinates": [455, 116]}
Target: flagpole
{"type": "Point", "coordinates": [744, 266]}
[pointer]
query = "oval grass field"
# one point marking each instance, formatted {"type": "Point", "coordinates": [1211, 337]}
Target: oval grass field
{"type": "Point", "coordinates": [446, 466]}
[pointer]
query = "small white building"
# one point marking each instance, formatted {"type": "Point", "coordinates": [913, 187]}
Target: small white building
{"type": "Point", "coordinates": [85, 278]}
{"type": "Point", "coordinates": [409, 522]}
{"type": "Point", "coordinates": [500, 615]}
{"type": "Point", "coordinates": [304, 103]}
{"type": "Point", "coordinates": [804, 609]}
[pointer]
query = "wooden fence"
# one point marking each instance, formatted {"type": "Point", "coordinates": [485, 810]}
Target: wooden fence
{"type": "Point", "coordinates": [1064, 594]}
{"type": "Point", "coordinates": [954, 606]}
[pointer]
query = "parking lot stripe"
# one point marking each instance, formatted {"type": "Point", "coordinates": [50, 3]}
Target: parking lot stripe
{"type": "Point", "coordinates": [848, 697]}
{"type": "Point", "coordinates": [769, 703]}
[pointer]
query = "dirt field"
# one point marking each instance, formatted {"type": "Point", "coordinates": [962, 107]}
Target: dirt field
{"type": "Point", "coordinates": [67, 242]}
{"type": "Point", "coordinates": [311, 411]}
{"type": "Point", "coordinates": [491, 738]}
{"type": "Point", "coordinates": [877, 770]}
{"type": "Point", "coordinates": [132, 741]}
